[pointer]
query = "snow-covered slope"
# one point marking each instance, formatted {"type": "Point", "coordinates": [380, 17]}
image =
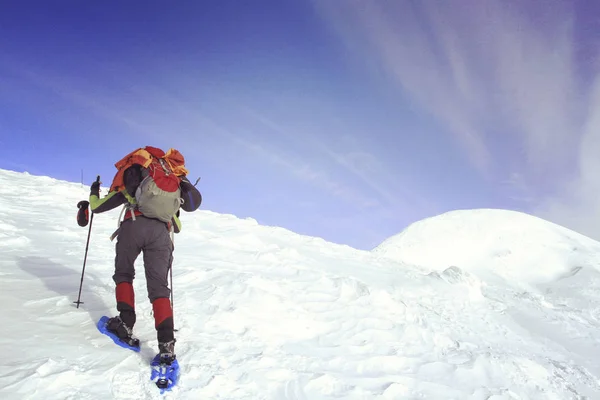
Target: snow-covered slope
{"type": "Point", "coordinates": [511, 244]}
{"type": "Point", "coordinates": [264, 313]}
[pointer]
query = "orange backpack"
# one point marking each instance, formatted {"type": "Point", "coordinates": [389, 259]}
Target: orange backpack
{"type": "Point", "coordinates": [145, 156]}
{"type": "Point", "coordinates": [158, 194]}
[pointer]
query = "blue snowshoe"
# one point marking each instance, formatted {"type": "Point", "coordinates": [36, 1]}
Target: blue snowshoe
{"type": "Point", "coordinates": [120, 333]}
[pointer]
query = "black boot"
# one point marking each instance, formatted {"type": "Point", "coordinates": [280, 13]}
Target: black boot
{"type": "Point", "coordinates": [166, 352]}
{"type": "Point", "coordinates": [122, 331]}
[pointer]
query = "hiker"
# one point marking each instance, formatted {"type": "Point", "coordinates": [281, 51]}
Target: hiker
{"type": "Point", "coordinates": [152, 185]}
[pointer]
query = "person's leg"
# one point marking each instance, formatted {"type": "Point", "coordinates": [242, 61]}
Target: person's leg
{"type": "Point", "coordinates": [127, 251]}
{"type": "Point", "coordinates": [158, 256]}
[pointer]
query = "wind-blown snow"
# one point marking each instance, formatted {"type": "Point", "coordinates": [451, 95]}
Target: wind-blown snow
{"type": "Point", "coordinates": [482, 304]}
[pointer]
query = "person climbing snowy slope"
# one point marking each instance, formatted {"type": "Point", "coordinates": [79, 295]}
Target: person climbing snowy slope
{"type": "Point", "coordinates": [153, 187]}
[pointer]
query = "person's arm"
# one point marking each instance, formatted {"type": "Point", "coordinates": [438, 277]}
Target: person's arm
{"type": "Point", "coordinates": [190, 194]}
{"type": "Point", "coordinates": [131, 180]}
{"type": "Point", "coordinates": [108, 202]}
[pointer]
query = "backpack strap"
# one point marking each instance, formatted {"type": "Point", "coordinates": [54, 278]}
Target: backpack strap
{"type": "Point", "coordinates": [129, 206]}
{"type": "Point", "coordinates": [132, 210]}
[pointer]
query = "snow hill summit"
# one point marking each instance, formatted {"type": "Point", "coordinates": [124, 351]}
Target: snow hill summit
{"type": "Point", "coordinates": [474, 304]}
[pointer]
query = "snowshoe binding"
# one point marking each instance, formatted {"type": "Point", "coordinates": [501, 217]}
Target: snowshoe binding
{"type": "Point", "coordinates": [120, 333]}
{"type": "Point", "coordinates": [165, 368]}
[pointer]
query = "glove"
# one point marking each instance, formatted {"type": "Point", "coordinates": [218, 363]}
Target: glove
{"type": "Point", "coordinates": [95, 188]}
{"type": "Point", "coordinates": [83, 213]}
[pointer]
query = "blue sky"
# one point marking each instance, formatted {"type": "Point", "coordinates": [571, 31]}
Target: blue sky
{"type": "Point", "coordinates": [343, 120]}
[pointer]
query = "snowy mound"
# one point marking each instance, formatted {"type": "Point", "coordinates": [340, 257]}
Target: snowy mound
{"type": "Point", "coordinates": [510, 244]}
{"type": "Point", "coordinates": [265, 314]}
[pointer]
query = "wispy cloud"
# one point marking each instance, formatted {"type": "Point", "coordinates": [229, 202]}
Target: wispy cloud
{"type": "Point", "coordinates": [578, 205]}
{"type": "Point", "coordinates": [158, 114]}
{"type": "Point", "coordinates": [111, 109]}
{"type": "Point", "coordinates": [518, 189]}
{"type": "Point", "coordinates": [505, 79]}
{"type": "Point", "coordinates": [363, 166]}
{"type": "Point", "coordinates": [301, 169]}
{"type": "Point", "coordinates": [481, 68]}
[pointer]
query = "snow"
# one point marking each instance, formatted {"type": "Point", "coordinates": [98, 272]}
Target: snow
{"type": "Point", "coordinates": [510, 244]}
{"type": "Point", "coordinates": [474, 304]}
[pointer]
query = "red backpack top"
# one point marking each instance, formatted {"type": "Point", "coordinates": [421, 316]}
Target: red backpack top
{"type": "Point", "coordinates": [165, 168]}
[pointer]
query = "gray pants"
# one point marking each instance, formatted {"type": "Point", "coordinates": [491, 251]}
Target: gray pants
{"type": "Point", "coordinates": [152, 237]}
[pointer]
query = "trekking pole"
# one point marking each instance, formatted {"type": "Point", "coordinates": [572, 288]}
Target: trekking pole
{"type": "Point", "coordinates": [78, 302]}
{"type": "Point", "coordinates": [84, 260]}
